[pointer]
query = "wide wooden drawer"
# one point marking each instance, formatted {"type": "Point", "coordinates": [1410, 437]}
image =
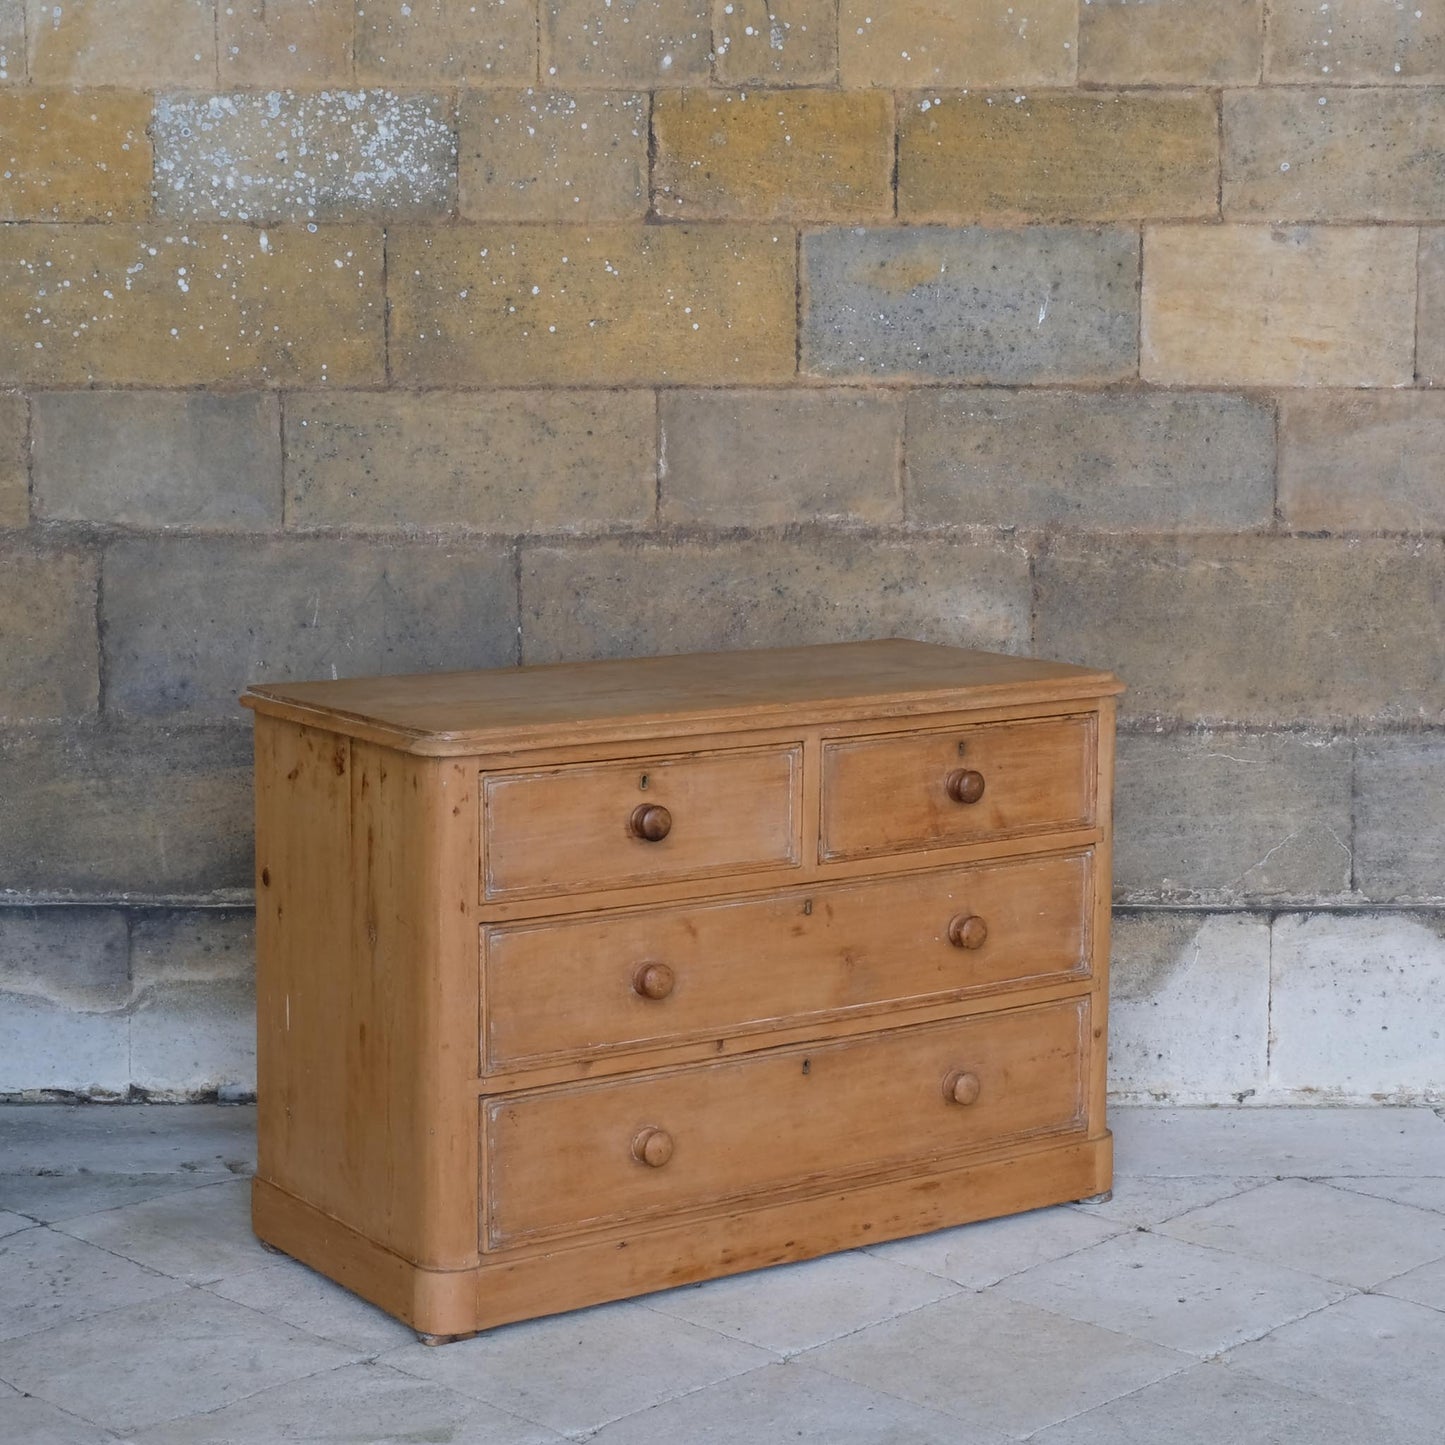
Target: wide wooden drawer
{"type": "Point", "coordinates": [608, 825]}
{"type": "Point", "coordinates": [567, 990]}
{"type": "Point", "coordinates": [964, 785]}
{"type": "Point", "coordinates": [805, 1118]}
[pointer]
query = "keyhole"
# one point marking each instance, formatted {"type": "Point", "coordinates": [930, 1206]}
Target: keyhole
{"type": "Point", "coordinates": [962, 748]}
{"type": "Point", "coordinates": [807, 908]}
{"type": "Point", "coordinates": [807, 1066]}
{"type": "Point", "coordinates": [642, 782]}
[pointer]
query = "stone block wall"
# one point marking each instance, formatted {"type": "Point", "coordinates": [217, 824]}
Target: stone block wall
{"type": "Point", "coordinates": [347, 337]}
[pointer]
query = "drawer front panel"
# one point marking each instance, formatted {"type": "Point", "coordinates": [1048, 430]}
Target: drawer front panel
{"type": "Point", "coordinates": [801, 1118]}
{"type": "Point", "coordinates": [966, 785]}
{"type": "Point", "coordinates": [605, 825]}
{"type": "Point", "coordinates": [559, 991]}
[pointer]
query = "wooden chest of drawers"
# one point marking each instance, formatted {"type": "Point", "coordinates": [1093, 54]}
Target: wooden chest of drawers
{"type": "Point", "coordinates": [576, 982]}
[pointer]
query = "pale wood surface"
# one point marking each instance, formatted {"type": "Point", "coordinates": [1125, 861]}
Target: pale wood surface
{"type": "Point", "coordinates": [472, 712]}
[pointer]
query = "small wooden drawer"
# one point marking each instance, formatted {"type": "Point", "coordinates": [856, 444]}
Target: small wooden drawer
{"type": "Point", "coordinates": [560, 991]}
{"type": "Point", "coordinates": [581, 1157]}
{"type": "Point", "coordinates": [619, 824]}
{"type": "Point", "coordinates": [964, 785]}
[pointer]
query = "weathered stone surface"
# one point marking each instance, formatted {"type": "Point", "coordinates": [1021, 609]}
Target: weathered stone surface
{"type": "Point", "coordinates": [1254, 629]}
{"type": "Point", "coordinates": [1058, 157]}
{"type": "Point", "coordinates": [1231, 818]}
{"type": "Point", "coordinates": [1105, 461]}
{"type": "Point", "coordinates": [431, 42]}
{"type": "Point", "coordinates": [768, 458]}
{"type": "Point", "coordinates": [193, 1024]}
{"type": "Point", "coordinates": [932, 42]}
{"type": "Point", "coordinates": [1355, 1006]}
{"type": "Point", "coordinates": [1170, 42]}
{"type": "Point", "coordinates": [520, 461]}
{"type": "Point", "coordinates": [286, 42]}
{"type": "Point", "coordinates": [773, 155]}
{"type": "Point", "coordinates": [331, 155]}
{"type": "Point", "coordinates": [614, 599]}
{"type": "Point", "coordinates": [775, 42]}
{"type": "Point", "coordinates": [73, 155]}
{"type": "Point", "coordinates": [628, 42]}
{"type": "Point", "coordinates": [1430, 316]}
{"type": "Point", "coordinates": [1256, 306]}
{"type": "Point", "coordinates": [75, 958]}
{"type": "Point", "coordinates": [1034, 305]}
{"type": "Point", "coordinates": [1334, 155]}
{"type": "Point", "coordinates": [122, 42]}
{"type": "Point", "coordinates": [84, 305]}
{"type": "Point", "coordinates": [1362, 461]}
{"type": "Point", "coordinates": [159, 459]}
{"type": "Point", "coordinates": [550, 155]}
{"type": "Point", "coordinates": [190, 621]}
{"type": "Point", "coordinates": [1188, 1007]}
{"type": "Point", "coordinates": [12, 42]}
{"type": "Point", "coordinates": [1353, 42]}
{"type": "Point", "coordinates": [48, 1048]}
{"type": "Point", "coordinates": [1400, 818]}
{"type": "Point", "coordinates": [148, 812]}
{"type": "Point", "coordinates": [14, 463]}
{"type": "Point", "coordinates": [49, 663]}
{"type": "Point", "coordinates": [507, 305]}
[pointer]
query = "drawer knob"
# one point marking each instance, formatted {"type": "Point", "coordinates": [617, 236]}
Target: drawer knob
{"type": "Point", "coordinates": [958, 1088]}
{"type": "Point", "coordinates": [651, 822]}
{"type": "Point", "coordinates": [654, 980]}
{"type": "Point", "coordinates": [652, 1147]}
{"type": "Point", "coordinates": [967, 930]}
{"type": "Point", "coordinates": [964, 785]}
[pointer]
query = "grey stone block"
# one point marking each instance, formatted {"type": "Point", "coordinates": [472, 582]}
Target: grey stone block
{"type": "Point", "coordinates": [1400, 818]}
{"type": "Point", "coordinates": [1033, 305]}
{"type": "Point", "coordinates": [76, 958]}
{"type": "Point", "coordinates": [190, 621]}
{"type": "Point", "coordinates": [49, 651]}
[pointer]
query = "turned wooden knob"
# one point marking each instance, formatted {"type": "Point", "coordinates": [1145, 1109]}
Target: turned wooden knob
{"type": "Point", "coordinates": [967, 930]}
{"type": "Point", "coordinates": [964, 785]}
{"type": "Point", "coordinates": [654, 980]}
{"type": "Point", "coordinates": [651, 822]}
{"type": "Point", "coordinates": [652, 1147]}
{"type": "Point", "coordinates": [958, 1088]}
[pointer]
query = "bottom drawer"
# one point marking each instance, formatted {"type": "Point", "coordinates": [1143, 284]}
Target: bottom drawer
{"type": "Point", "coordinates": [581, 1156]}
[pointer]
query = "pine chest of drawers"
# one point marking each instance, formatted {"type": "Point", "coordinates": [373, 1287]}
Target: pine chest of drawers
{"type": "Point", "coordinates": [580, 981]}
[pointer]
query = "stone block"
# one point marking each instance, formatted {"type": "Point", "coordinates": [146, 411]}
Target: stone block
{"type": "Point", "coordinates": [1189, 1007]}
{"type": "Point", "coordinates": [817, 155]}
{"type": "Point", "coordinates": [1043, 304]}
{"type": "Point", "coordinates": [190, 621]}
{"type": "Point", "coordinates": [48, 1049]}
{"type": "Point", "coordinates": [73, 155]}
{"type": "Point", "coordinates": [775, 42]}
{"type": "Point", "coordinates": [1254, 629]}
{"type": "Point", "coordinates": [12, 42]}
{"type": "Point", "coordinates": [647, 43]}
{"type": "Point", "coordinates": [147, 812]}
{"type": "Point", "coordinates": [551, 155]}
{"type": "Point", "coordinates": [1400, 818]}
{"type": "Point", "coordinates": [1108, 461]}
{"type": "Point", "coordinates": [73, 958]}
{"type": "Point", "coordinates": [1094, 156]}
{"type": "Point", "coordinates": [616, 599]}
{"type": "Point", "coordinates": [193, 1022]}
{"type": "Point", "coordinates": [330, 155]}
{"type": "Point", "coordinates": [135, 43]}
{"type": "Point", "coordinates": [155, 459]}
{"type": "Point", "coordinates": [503, 461]}
{"type": "Point", "coordinates": [14, 461]}
{"type": "Point", "coordinates": [435, 42]}
{"type": "Point", "coordinates": [1361, 461]}
{"type": "Point", "coordinates": [286, 42]}
{"type": "Point", "coordinates": [1231, 818]}
{"type": "Point", "coordinates": [511, 305]}
{"type": "Point", "coordinates": [770, 458]}
{"type": "Point", "coordinates": [49, 653]}
{"type": "Point", "coordinates": [1334, 155]}
{"type": "Point", "coordinates": [1355, 1007]}
{"type": "Point", "coordinates": [1430, 315]}
{"type": "Point", "coordinates": [185, 306]}
{"type": "Point", "coordinates": [1258, 306]}
{"type": "Point", "coordinates": [1354, 42]}
{"type": "Point", "coordinates": [1170, 42]}
{"type": "Point", "coordinates": [983, 43]}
